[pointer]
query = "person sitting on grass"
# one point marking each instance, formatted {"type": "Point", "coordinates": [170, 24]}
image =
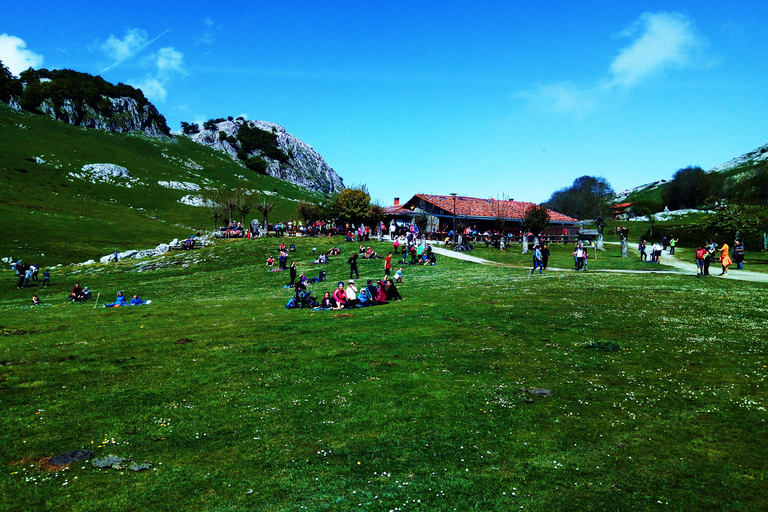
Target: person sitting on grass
{"type": "Point", "coordinates": [339, 296]}
{"type": "Point", "coordinates": [399, 275]}
{"type": "Point", "coordinates": [392, 293]}
{"type": "Point", "coordinates": [372, 290]}
{"type": "Point", "coordinates": [325, 303]}
{"type": "Point", "coordinates": [300, 294]}
{"type": "Point", "coordinates": [35, 300]}
{"type": "Point", "coordinates": [381, 292]}
{"type": "Point", "coordinates": [270, 261]}
{"type": "Point", "coordinates": [351, 295]}
{"type": "Point", "coordinates": [136, 301]}
{"type": "Point", "coordinates": [77, 293]}
{"type": "Point", "coordinates": [119, 301]}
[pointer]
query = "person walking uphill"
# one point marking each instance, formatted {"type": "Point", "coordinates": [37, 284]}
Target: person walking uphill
{"type": "Point", "coordinates": [353, 267]}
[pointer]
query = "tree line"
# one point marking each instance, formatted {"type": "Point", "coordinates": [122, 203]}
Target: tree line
{"type": "Point", "coordinates": [349, 205]}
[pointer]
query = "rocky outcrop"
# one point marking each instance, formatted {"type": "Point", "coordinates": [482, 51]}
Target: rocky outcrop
{"type": "Point", "coordinates": [123, 115]}
{"type": "Point", "coordinates": [757, 155]}
{"type": "Point", "coordinates": [83, 100]}
{"type": "Point", "coordinates": [305, 166]}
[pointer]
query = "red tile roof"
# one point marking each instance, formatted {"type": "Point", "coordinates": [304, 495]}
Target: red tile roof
{"type": "Point", "coordinates": [476, 207]}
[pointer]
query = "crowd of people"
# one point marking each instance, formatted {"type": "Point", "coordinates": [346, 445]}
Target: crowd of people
{"type": "Point", "coordinates": [382, 291]}
{"type": "Point", "coordinates": [708, 252]}
{"type": "Point", "coordinates": [27, 273]}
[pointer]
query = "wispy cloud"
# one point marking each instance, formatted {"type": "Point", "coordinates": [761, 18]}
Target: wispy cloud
{"type": "Point", "coordinates": [152, 88]}
{"type": "Point", "coordinates": [123, 49]}
{"type": "Point", "coordinates": [660, 41]}
{"type": "Point", "coordinates": [15, 55]}
{"type": "Point", "coordinates": [164, 66]}
{"type": "Point", "coordinates": [564, 97]}
{"type": "Point", "coordinates": [209, 34]}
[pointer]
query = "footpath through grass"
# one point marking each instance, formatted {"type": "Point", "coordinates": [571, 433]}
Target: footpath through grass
{"type": "Point", "coordinates": [658, 390]}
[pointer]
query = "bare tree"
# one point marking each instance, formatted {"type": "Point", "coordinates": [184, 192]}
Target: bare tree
{"type": "Point", "coordinates": [244, 201]}
{"type": "Point", "coordinates": [265, 206]}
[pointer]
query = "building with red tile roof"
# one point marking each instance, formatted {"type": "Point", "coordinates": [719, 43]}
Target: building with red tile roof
{"type": "Point", "coordinates": [472, 209]}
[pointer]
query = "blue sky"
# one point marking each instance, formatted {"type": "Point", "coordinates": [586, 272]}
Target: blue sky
{"type": "Point", "coordinates": [508, 99]}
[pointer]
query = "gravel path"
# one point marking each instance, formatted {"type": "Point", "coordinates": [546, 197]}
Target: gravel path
{"type": "Point", "coordinates": [673, 266]}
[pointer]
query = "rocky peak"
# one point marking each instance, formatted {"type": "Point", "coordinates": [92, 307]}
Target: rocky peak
{"type": "Point", "coordinates": [302, 165]}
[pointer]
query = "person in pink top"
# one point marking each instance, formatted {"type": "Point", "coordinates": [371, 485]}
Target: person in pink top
{"type": "Point", "coordinates": [339, 297]}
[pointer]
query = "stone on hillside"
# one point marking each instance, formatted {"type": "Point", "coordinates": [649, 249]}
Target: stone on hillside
{"type": "Point", "coordinates": [196, 201]}
{"type": "Point", "coordinates": [104, 172]}
{"type": "Point", "coordinates": [161, 249]}
{"type": "Point", "coordinates": [67, 457]}
{"type": "Point", "coordinates": [39, 160]}
{"type": "Point", "coordinates": [110, 461]}
{"type": "Point", "coordinates": [180, 185]}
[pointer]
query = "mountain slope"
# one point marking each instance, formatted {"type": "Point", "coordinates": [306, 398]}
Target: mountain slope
{"type": "Point", "coordinates": [55, 210]}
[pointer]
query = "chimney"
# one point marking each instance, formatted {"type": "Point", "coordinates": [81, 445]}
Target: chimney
{"type": "Point", "coordinates": [397, 201]}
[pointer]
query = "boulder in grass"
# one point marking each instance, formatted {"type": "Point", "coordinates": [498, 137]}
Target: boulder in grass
{"type": "Point", "coordinates": [65, 458]}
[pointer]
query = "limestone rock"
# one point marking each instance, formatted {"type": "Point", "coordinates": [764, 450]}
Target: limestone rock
{"type": "Point", "coordinates": [306, 167]}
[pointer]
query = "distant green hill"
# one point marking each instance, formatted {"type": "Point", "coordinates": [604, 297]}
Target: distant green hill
{"type": "Point", "coordinates": [55, 212]}
{"type": "Point", "coordinates": [744, 178]}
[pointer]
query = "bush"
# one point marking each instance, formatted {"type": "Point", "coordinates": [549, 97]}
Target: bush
{"type": "Point", "coordinates": [258, 164]}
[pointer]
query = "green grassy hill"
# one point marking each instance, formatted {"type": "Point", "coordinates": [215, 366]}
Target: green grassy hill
{"type": "Point", "coordinates": [49, 216]}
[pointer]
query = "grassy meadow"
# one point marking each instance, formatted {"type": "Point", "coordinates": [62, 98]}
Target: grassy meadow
{"type": "Point", "coordinates": [658, 389]}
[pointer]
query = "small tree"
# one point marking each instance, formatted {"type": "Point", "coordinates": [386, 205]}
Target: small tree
{"type": "Point", "coordinates": [353, 204]}
{"type": "Point", "coordinates": [244, 201]}
{"type": "Point", "coordinates": [421, 220]}
{"type": "Point", "coordinates": [308, 212]}
{"type": "Point", "coordinates": [264, 205]}
{"type": "Point", "coordinates": [536, 218]}
{"type": "Point", "coordinates": [736, 221]}
{"type": "Point", "coordinates": [189, 128]}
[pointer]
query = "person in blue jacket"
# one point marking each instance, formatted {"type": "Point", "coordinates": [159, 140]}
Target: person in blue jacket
{"type": "Point", "coordinates": [119, 301]}
{"type": "Point", "coordinates": [135, 301]}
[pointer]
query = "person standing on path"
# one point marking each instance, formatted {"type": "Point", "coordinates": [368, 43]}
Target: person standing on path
{"type": "Point", "coordinates": [725, 259]}
{"type": "Point", "coordinates": [738, 254]}
{"type": "Point", "coordinates": [710, 247]}
{"type": "Point", "coordinates": [701, 253]}
{"type": "Point", "coordinates": [353, 267]}
{"type": "Point", "coordinates": [545, 256]}
{"type": "Point", "coordinates": [537, 263]}
{"type": "Point", "coordinates": [672, 243]}
{"type": "Point", "coordinates": [641, 247]}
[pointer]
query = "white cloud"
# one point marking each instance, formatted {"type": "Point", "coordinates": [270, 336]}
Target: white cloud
{"type": "Point", "coordinates": [15, 56]}
{"type": "Point", "coordinates": [152, 88]}
{"type": "Point", "coordinates": [169, 59]}
{"type": "Point", "coordinates": [121, 49]}
{"type": "Point", "coordinates": [662, 40]}
{"type": "Point", "coordinates": [563, 97]}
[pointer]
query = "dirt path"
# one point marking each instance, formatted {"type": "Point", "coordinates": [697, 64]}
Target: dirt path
{"type": "Point", "coordinates": [673, 265]}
